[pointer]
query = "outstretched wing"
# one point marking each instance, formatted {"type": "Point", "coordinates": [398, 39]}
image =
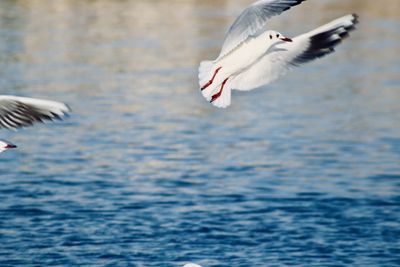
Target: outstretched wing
{"type": "Point", "coordinates": [16, 112]}
{"type": "Point", "coordinates": [252, 21]}
{"type": "Point", "coordinates": [304, 48]}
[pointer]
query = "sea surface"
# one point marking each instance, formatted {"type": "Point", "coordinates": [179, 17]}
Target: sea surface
{"type": "Point", "coordinates": [145, 172]}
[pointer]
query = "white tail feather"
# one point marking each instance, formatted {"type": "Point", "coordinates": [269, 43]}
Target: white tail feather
{"type": "Point", "coordinates": [205, 72]}
{"type": "Point", "coordinates": [225, 99]}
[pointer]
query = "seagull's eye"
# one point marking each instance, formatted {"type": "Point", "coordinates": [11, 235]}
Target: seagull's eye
{"type": "Point", "coordinates": [270, 36]}
{"type": "Point", "coordinates": [277, 36]}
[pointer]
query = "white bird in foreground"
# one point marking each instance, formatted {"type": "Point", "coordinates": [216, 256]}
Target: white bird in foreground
{"type": "Point", "coordinates": [17, 112]}
{"type": "Point", "coordinates": [253, 56]}
{"type": "Point", "coordinates": [191, 265]}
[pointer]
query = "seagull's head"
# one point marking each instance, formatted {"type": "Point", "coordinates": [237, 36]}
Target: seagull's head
{"type": "Point", "coordinates": [4, 145]}
{"type": "Point", "coordinates": [276, 37]}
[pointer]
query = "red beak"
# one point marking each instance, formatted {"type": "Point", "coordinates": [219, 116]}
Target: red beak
{"type": "Point", "coordinates": [10, 146]}
{"type": "Point", "coordinates": [287, 39]}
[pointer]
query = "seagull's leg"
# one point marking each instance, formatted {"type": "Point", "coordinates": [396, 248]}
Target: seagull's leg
{"type": "Point", "coordinates": [212, 79]}
{"type": "Point", "coordinates": [215, 97]}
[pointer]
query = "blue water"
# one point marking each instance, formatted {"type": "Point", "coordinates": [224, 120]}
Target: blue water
{"type": "Point", "coordinates": [304, 172]}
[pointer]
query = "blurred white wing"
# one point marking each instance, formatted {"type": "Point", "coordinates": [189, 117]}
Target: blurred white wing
{"type": "Point", "coordinates": [304, 48]}
{"type": "Point", "coordinates": [16, 112]}
{"type": "Point", "coordinates": [252, 20]}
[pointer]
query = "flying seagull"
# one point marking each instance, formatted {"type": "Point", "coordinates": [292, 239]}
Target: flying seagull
{"type": "Point", "coordinates": [252, 56]}
{"type": "Point", "coordinates": [17, 112]}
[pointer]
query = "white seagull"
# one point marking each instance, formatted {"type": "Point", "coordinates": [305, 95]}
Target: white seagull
{"type": "Point", "coordinates": [17, 112]}
{"type": "Point", "coordinates": [191, 265]}
{"type": "Point", "coordinates": [253, 56]}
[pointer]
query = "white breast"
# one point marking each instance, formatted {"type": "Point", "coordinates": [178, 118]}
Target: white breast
{"type": "Point", "coordinates": [243, 57]}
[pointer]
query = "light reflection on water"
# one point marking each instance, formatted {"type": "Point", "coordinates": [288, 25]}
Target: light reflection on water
{"type": "Point", "coordinates": [303, 172]}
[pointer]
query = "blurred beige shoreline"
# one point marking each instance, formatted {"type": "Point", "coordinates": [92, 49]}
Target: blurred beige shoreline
{"type": "Point", "coordinates": [383, 8]}
{"type": "Point", "coordinates": [133, 36]}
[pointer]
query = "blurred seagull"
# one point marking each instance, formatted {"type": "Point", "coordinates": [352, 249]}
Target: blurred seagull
{"type": "Point", "coordinates": [17, 112]}
{"type": "Point", "coordinates": [191, 265]}
{"type": "Point", "coordinates": [253, 56]}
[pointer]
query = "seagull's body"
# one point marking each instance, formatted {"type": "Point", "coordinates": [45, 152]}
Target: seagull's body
{"type": "Point", "coordinates": [17, 112]}
{"type": "Point", "coordinates": [251, 56]}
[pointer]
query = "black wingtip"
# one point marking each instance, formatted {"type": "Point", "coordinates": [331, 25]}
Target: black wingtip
{"type": "Point", "coordinates": [324, 43]}
{"type": "Point", "coordinates": [356, 19]}
{"type": "Point", "coordinates": [298, 2]}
